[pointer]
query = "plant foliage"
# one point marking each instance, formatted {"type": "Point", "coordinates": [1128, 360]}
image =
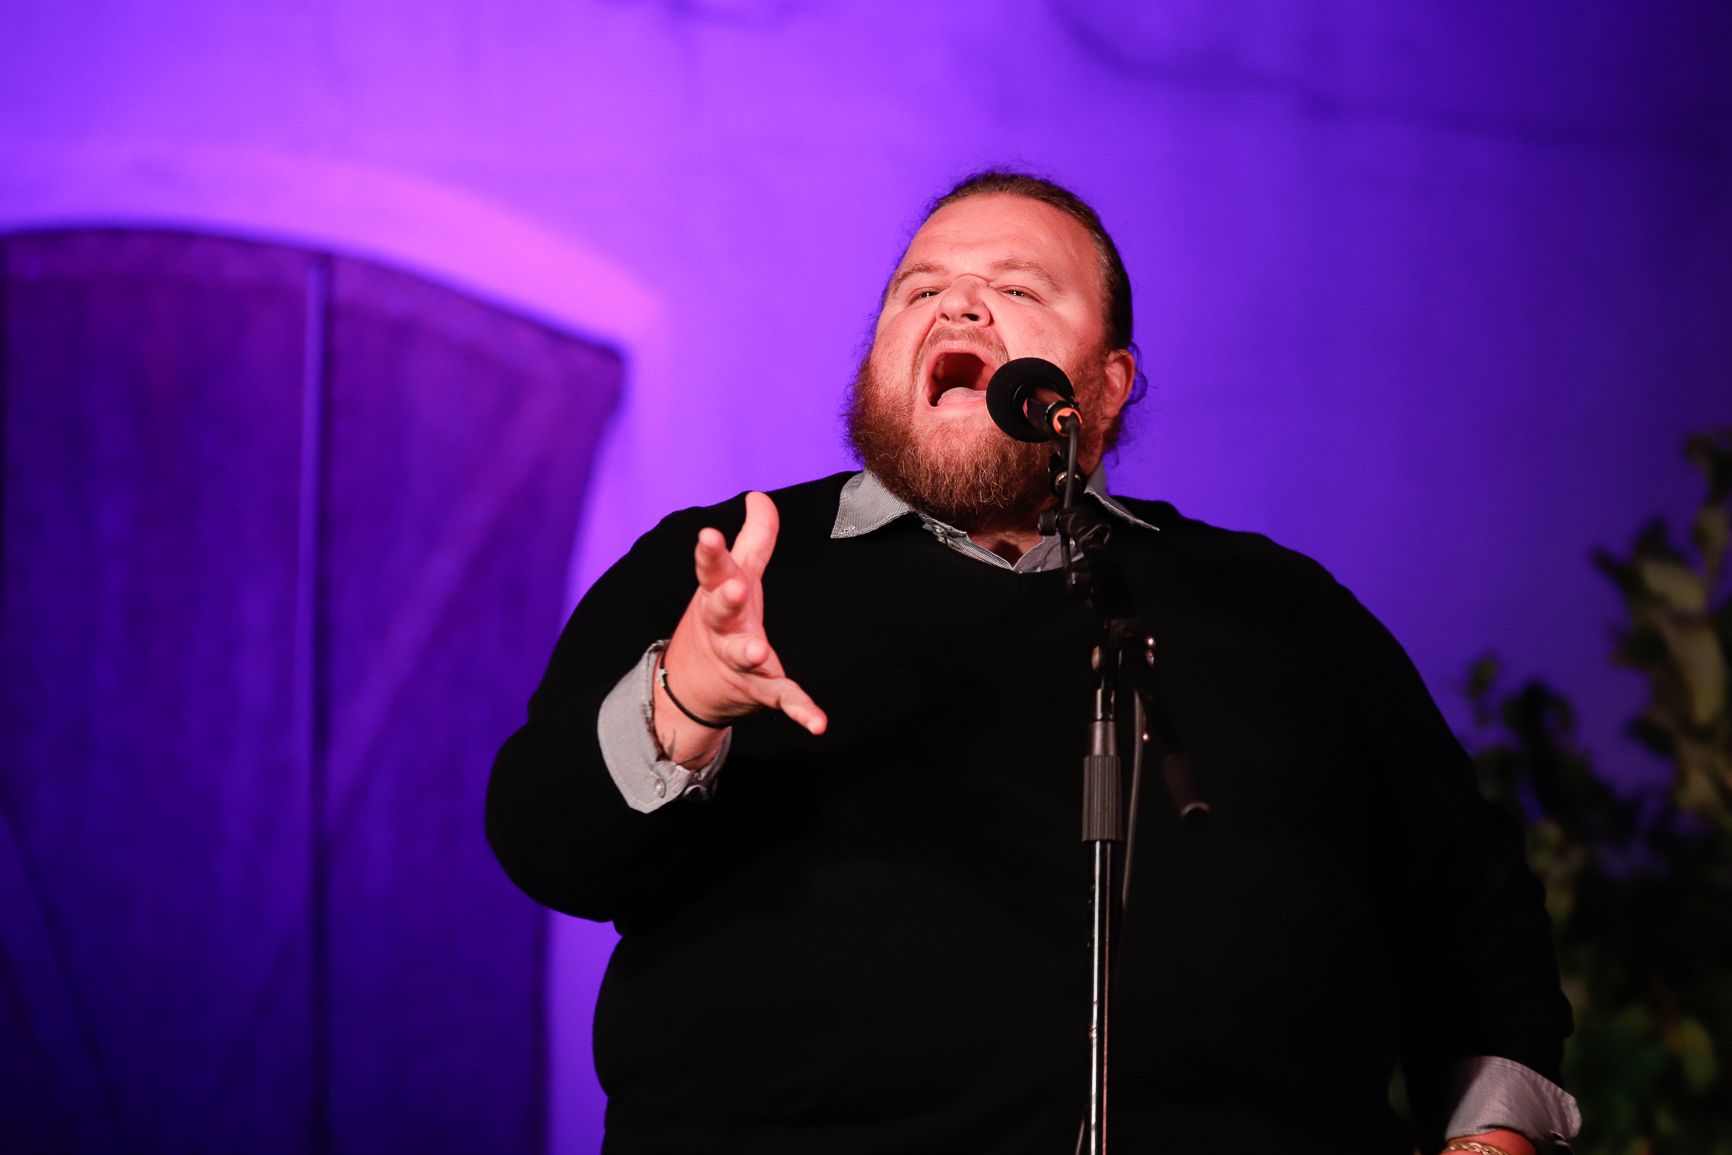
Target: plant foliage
{"type": "Point", "coordinates": [1640, 887]}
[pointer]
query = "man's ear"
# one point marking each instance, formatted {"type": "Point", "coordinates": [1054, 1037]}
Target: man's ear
{"type": "Point", "coordinates": [1121, 372]}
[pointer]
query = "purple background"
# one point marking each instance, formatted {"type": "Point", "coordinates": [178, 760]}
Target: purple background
{"type": "Point", "coordinates": [1430, 292]}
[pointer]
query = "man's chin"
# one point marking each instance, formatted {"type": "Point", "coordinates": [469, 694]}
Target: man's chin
{"type": "Point", "coordinates": [969, 481]}
{"type": "Point", "coordinates": [950, 462]}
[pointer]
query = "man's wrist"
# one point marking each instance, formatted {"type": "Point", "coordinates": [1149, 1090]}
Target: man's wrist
{"type": "Point", "coordinates": [625, 728]}
{"type": "Point", "coordinates": [667, 691]}
{"type": "Point", "coordinates": [683, 739]}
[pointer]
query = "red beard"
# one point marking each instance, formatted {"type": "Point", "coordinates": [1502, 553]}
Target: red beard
{"type": "Point", "coordinates": [974, 479]}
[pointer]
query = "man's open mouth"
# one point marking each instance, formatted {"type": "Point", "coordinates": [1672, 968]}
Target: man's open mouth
{"type": "Point", "coordinates": [955, 376]}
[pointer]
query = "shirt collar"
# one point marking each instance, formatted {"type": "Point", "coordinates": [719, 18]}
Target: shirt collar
{"type": "Point", "coordinates": [867, 505]}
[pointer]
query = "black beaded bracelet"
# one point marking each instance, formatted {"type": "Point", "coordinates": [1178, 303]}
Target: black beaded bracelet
{"type": "Point", "coordinates": [662, 681]}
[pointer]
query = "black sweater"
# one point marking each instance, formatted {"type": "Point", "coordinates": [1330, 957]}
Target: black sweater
{"type": "Point", "coordinates": [874, 940]}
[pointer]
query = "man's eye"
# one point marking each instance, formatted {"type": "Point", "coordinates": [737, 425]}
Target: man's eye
{"type": "Point", "coordinates": [1015, 292]}
{"type": "Point", "coordinates": [922, 294]}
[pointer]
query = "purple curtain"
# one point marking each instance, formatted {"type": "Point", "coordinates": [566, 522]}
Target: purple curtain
{"type": "Point", "coordinates": [283, 547]}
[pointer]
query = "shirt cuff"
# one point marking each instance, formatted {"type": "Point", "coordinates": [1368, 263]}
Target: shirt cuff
{"type": "Point", "coordinates": [647, 778]}
{"type": "Point", "coordinates": [1492, 1093]}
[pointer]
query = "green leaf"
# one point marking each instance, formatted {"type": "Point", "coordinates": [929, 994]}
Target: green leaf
{"type": "Point", "coordinates": [1711, 453]}
{"type": "Point", "coordinates": [1710, 534]}
{"type": "Point", "coordinates": [1694, 1047]}
{"type": "Point", "coordinates": [1701, 783]}
{"type": "Point", "coordinates": [1696, 655]}
{"type": "Point", "coordinates": [1674, 583]}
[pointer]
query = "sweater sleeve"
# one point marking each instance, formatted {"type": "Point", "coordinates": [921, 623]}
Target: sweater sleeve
{"type": "Point", "coordinates": [555, 817]}
{"type": "Point", "coordinates": [1469, 933]}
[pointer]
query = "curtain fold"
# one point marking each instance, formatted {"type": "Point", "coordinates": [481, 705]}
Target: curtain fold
{"type": "Point", "coordinates": [284, 542]}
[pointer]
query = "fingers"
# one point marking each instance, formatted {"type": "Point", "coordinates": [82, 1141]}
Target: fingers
{"type": "Point", "coordinates": [757, 537]}
{"type": "Point", "coordinates": [789, 698]}
{"type": "Point", "coordinates": [727, 575]}
{"type": "Point", "coordinates": [726, 609]}
{"type": "Point", "coordinates": [712, 560]}
{"type": "Point", "coordinates": [753, 545]}
{"type": "Point", "coordinates": [745, 654]}
{"type": "Point", "coordinates": [728, 616]}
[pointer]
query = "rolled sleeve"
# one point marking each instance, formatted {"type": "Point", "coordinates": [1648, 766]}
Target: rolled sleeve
{"type": "Point", "coordinates": [646, 778]}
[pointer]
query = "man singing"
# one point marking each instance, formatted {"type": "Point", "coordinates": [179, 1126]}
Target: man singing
{"type": "Point", "coordinates": [824, 782]}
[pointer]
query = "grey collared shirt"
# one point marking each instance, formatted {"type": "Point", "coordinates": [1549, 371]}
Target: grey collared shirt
{"type": "Point", "coordinates": [1490, 1093]}
{"type": "Point", "coordinates": [866, 505]}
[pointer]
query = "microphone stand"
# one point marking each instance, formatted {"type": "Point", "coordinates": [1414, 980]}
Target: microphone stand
{"type": "Point", "coordinates": [1083, 536]}
{"type": "Point", "coordinates": [1032, 400]}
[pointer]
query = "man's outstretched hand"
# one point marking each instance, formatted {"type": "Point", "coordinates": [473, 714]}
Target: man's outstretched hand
{"type": "Point", "coordinates": [719, 662]}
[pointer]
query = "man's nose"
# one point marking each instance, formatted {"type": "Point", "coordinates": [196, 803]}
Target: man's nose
{"type": "Point", "coordinates": [965, 302]}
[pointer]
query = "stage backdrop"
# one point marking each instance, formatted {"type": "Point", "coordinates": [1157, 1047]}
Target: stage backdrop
{"type": "Point", "coordinates": [1431, 292]}
{"type": "Point", "coordinates": [284, 545]}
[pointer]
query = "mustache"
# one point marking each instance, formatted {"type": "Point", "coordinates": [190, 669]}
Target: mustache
{"type": "Point", "coordinates": [992, 351]}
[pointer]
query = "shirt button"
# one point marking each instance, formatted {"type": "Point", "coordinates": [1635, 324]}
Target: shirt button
{"type": "Point", "coordinates": [661, 788]}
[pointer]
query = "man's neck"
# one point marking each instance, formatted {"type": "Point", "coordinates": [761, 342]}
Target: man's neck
{"type": "Point", "coordinates": [1015, 536]}
{"type": "Point", "coordinates": [1009, 544]}
{"type": "Point", "coordinates": [1011, 537]}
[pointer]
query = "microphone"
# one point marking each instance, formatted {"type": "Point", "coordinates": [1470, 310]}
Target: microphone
{"type": "Point", "coordinates": [1031, 399]}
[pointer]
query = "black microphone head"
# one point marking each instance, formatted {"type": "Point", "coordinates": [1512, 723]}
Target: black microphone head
{"type": "Point", "coordinates": [1013, 385]}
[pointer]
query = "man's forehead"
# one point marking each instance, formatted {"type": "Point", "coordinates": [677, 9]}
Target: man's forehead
{"type": "Point", "coordinates": [1003, 221]}
{"type": "Point", "coordinates": [1003, 229]}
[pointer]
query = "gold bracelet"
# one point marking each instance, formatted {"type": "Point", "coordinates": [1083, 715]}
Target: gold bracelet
{"type": "Point", "coordinates": [1475, 1146]}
